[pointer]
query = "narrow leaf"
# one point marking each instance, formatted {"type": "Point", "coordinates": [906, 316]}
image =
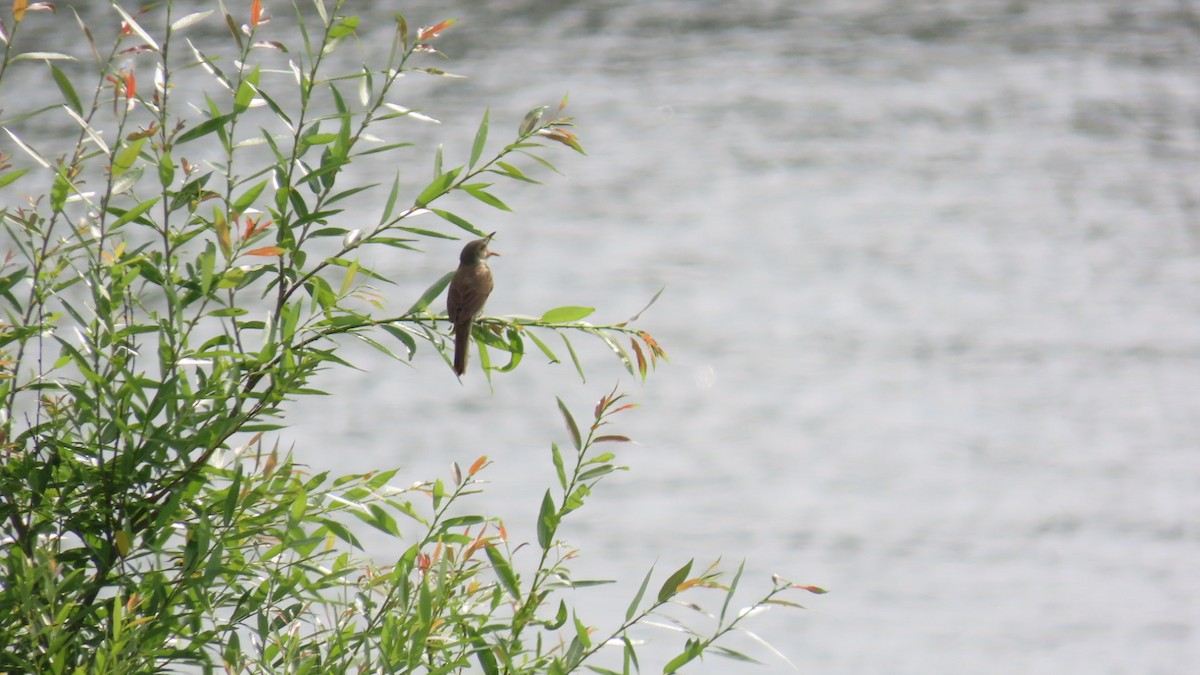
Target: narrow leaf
{"type": "Point", "coordinates": [504, 572]}
{"type": "Point", "coordinates": [567, 314]}
{"type": "Point", "coordinates": [480, 140]}
{"type": "Point", "coordinates": [190, 19]}
{"type": "Point", "coordinates": [671, 586]}
{"type": "Point", "coordinates": [547, 522]}
{"type": "Point", "coordinates": [571, 426]}
{"type": "Point", "coordinates": [430, 294]}
{"type": "Point", "coordinates": [637, 599]}
{"type": "Point", "coordinates": [64, 86]}
{"type": "Point", "coordinates": [11, 176]}
{"type": "Point", "coordinates": [136, 27]}
{"type": "Point", "coordinates": [132, 213]}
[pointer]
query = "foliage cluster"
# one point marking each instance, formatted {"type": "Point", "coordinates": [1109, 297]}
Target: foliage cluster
{"type": "Point", "coordinates": [173, 273]}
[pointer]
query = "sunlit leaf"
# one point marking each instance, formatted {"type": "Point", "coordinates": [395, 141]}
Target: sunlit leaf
{"type": "Point", "coordinates": [343, 26]}
{"type": "Point", "coordinates": [437, 188]}
{"type": "Point", "coordinates": [190, 20]}
{"type": "Point", "coordinates": [28, 150]}
{"type": "Point", "coordinates": [531, 120]}
{"type": "Point", "coordinates": [126, 156]}
{"type": "Point", "coordinates": [136, 27]}
{"type": "Point", "coordinates": [566, 314]}
{"type": "Point", "coordinates": [43, 56]}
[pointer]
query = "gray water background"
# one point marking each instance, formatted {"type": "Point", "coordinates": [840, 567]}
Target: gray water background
{"type": "Point", "coordinates": [931, 309]}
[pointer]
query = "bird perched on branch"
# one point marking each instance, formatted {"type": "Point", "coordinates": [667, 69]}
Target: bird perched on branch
{"type": "Point", "coordinates": [469, 290]}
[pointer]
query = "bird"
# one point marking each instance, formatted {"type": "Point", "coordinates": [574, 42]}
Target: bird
{"type": "Point", "coordinates": [469, 290]}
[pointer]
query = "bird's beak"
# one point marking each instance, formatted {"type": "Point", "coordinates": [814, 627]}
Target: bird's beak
{"type": "Point", "coordinates": [489, 252]}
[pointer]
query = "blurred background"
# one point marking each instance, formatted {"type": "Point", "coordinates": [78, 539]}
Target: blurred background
{"type": "Point", "coordinates": [931, 306]}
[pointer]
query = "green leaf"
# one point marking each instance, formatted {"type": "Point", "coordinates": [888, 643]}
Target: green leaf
{"type": "Point", "coordinates": [531, 120]}
{"type": "Point", "coordinates": [581, 632]}
{"type": "Point", "coordinates": [11, 176]}
{"type": "Point", "coordinates": [126, 156]}
{"type": "Point", "coordinates": [575, 499]}
{"type": "Point", "coordinates": [729, 593]}
{"type": "Point", "coordinates": [637, 599]}
{"type": "Point", "coordinates": [486, 197]}
{"type": "Point", "coordinates": [245, 92]}
{"type": "Point", "coordinates": [731, 654]}
{"type": "Point", "coordinates": [166, 169]}
{"type": "Point", "coordinates": [542, 346]}
{"type": "Point", "coordinates": [430, 294]}
{"type": "Point", "coordinates": [207, 262]}
{"type": "Point", "coordinates": [571, 426]}
{"type": "Point", "coordinates": [64, 86]}
{"type": "Point", "coordinates": [671, 586]}
{"type": "Point", "coordinates": [567, 314]}
{"type": "Point", "coordinates": [204, 128]}
{"type": "Point", "coordinates": [547, 522]}
{"type": "Point", "coordinates": [480, 140]}
{"type": "Point", "coordinates": [556, 455]}
{"type": "Point", "coordinates": [343, 26]}
{"type": "Point", "coordinates": [504, 572]}
{"type": "Point", "coordinates": [460, 222]}
{"type": "Point", "coordinates": [511, 171]}
{"type": "Point", "coordinates": [574, 357]}
{"type": "Point", "coordinates": [690, 651]}
{"type": "Point", "coordinates": [246, 199]}
{"type": "Point", "coordinates": [483, 653]}
{"type": "Point", "coordinates": [232, 278]}
{"type": "Point", "coordinates": [131, 213]}
{"type": "Point", "coordinates": [437, 188]}
{"type": "Point", "coordinates": [390, 204]}
{"type": "Point", "coordinates": [402, 335]}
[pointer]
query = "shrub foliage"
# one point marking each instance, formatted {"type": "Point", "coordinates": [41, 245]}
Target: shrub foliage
{"type": "Point", "coordinates": [175, 270]}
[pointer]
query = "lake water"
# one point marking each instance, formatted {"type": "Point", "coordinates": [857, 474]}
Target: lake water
{"type": "Point", "coordinates": [931, 304]}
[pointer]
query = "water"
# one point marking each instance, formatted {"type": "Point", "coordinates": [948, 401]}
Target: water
{"type": "Point", "coordinates": [930, 307]}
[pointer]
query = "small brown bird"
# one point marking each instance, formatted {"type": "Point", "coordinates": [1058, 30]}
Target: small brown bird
{"type": "Point", "coordinates": [469, 290]}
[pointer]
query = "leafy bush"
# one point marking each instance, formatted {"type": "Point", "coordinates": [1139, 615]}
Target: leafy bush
{"type": "Point", "coordinates": [173, 274]}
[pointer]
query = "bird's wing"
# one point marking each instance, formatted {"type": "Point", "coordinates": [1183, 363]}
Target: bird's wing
{"type": "Point", "coordinates": [468, 292]}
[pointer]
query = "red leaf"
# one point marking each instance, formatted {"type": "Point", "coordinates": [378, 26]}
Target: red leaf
{"type": "Point", "coordinates": [267, 251]}
{"type": "Point", "coordinates": [429, 33]}
{"type": "Point", "coordinates": [641, 358]}
{"type": "Point", "coordinates": [614, 437]}
{"type": "Point", "coordinates": [255, 13]}
{"type": "Point", "coordinates": [479, 464]}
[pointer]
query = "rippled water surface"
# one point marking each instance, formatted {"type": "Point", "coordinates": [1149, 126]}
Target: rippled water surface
{"type": "Point", "coordinates": [931, 308]}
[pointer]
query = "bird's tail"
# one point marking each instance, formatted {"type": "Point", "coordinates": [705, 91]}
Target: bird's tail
{"type": "Point", "coordinates": [462, 347]}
